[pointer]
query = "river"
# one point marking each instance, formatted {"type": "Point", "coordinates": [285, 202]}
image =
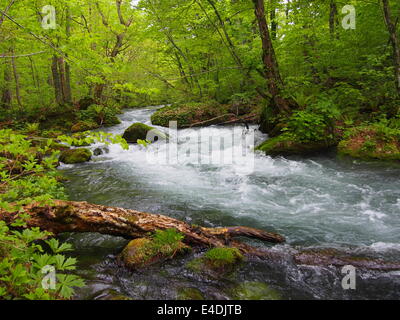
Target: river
{"type": "Point", "coordinates": [314, 202]}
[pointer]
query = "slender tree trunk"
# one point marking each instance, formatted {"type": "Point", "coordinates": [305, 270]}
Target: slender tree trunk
{"type": "Point", "coordinates": [16, 79]}
{"type": "Point", "coordinates": [6, 96]}
{"type": "Point", "coordinates": [394, 39]}
{"type": "Point", "coordinates": [56, 81]}
{"type": "Point", "coordinates": [274, 80]}
{"type": "Point", "coordinates": [68, 91]}
{"type": "Point", "coordinates": [61, 71]}
{"type": "Point", "coordinates": [332, 18]}
{"type": "Point", "coordinates": [274, 23]}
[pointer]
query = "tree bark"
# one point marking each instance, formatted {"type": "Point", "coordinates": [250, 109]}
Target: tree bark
{"type": "Point", "coordinates": [6, 96]}
{"type": "Point", "coordinates": [67, 89]}
{"type": "Point", "coordinates": [332, 18]}
{"type": "Point", "coordinates": [274, 80]}
{"type": "Point", "coordinates": [16, 79]}
{"type": "Point", "coordinates": [56, 80]}
{"type": "Point", "coordinates": [67, 216]}
{"type": "Point", "coordinates": [394, 40]}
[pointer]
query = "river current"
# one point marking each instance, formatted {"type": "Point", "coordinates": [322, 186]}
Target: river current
{"type": "Point", "coordinates": [315, 202]}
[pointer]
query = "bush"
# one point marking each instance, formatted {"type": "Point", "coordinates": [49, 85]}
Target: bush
{"type": "Point", "coordinates": [22, 256]}
{"type": "Point", "coordinates": [102, 115]}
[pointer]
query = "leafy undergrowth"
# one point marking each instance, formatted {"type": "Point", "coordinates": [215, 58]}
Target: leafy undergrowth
{"type": "Point", "coordinates": [28, 175]}
{"type": "Point", "coordinates": [380, 140]}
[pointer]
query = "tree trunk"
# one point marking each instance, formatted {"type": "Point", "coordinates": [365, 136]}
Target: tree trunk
{"type": "Point", "coordinates": [66, 216]}
{"type": "Point", "coordinates": [332, 18]}
{"type": "Point", "coordinates": [56, 81]}
{"type": "Point", "coordinates": [16, 79]}
{"type": "Point", "coordinates": [67, 89]}
{"type": "Point", "coordinates": [63, 80]}
{"type": "Point", "coordinates": [394, 40]}
{"type": "Point", "coordinates": [6, 96]}
{"type": "Point", "coordinates": [274, 23]}
{"type": "Point", "coordinates": [274, 80]}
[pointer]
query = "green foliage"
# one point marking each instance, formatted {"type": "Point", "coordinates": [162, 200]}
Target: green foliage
{"type": "Point", "coordinates": [26, 178]}
{"type": "Point", "coordinates": [102, 115]}
{"type": "Point", "coordinates": [313, 124]}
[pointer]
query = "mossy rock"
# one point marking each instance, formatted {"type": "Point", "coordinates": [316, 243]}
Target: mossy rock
{"type": "Point", "coordinates": [75, 156]}
{"type": "Point", "coordinates": [192, 113]}
{"type": "Point", "coordinates": [217, 262]}
{"type": "Point", "coordinates": [143, 252]}
{"type": "Point", "coordinates": [284, 145]}
{"type": "Point", "coordinates": [86, 102]}
{"type": "Point", "coordinates": [371, 143]}
{"type": "Point", "coordinates": [189, 294]}
{"type": "Point", "coordinates": [140, 131]}
{"type": "Point", "coordinates": [82, 126]}
{"type": "Point", "coordinates": [255, 291]}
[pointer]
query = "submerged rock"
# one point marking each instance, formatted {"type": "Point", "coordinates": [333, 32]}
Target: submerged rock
{"type": "Point", "coordinates": [284, 145]}
{"type": "Point", "coordinates": [217, 262]}
{"type": "Point", "coordinates": [189, 294]}
{"type": "Point", "coordinates": [140, 131]}
{"type": "Point", "coordinates": [334, 257]}
{"type": "Point", "coordinates": [100, 151]}
{"type": "Point", "coordinates": [255, 291]}
{"type": "Point", "coordinates": [75, 156]}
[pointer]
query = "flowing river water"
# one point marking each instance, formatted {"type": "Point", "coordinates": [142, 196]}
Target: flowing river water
{"type": "Point", "coordinates": [317, 202]}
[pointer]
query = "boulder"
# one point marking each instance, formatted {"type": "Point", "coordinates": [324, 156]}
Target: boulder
{"type": "Point", "coordinates": [255, 291]}
{"type": "Point", "coordinates": [189, 294]}
{"type": "Point", "coordinates": [140, 131]}
{"type": "Point", "coordinates": [217, 262]}
{"type": "Point", "coordinates": [82, 126]}
{"type": "Point", "coordinates": [284, 145]}
{"type": "Point", "coordinates": [143, 252]}
{"type": "Point", "coordinates": [75, 156]}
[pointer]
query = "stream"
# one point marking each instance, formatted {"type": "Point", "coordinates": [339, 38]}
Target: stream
{"type": "Point", "coordinates": [315, 202]}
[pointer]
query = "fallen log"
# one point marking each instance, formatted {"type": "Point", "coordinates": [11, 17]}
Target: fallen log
{"type": "Point", "coordinates": [68, 216]}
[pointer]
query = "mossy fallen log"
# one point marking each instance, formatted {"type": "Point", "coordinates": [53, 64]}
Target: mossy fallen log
{"type": "Point", "coordinates": [68, 216]}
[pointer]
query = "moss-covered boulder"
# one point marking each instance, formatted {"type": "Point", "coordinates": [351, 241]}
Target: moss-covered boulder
{"type": "Point", "coordinates": [373, 142]}
{"type": "Point", "coordinates": [75, 156]}
{"type": "Point", "coordinates": [82, 126]}
{"type": "Point", "coordinates": [189, 294]}
{"type": "Point", "coordinates": [255, 291]}
{"type": "Point", "coordinates": [192, 113]}
{"type": "Point", "coordinates": [285, 145]}
{"type": "Point", "coordinates": [162, 246]}
{"type": "Point", "coordinates": [140, 131]}
{"type": "Point", "coordinates": [217, 262]}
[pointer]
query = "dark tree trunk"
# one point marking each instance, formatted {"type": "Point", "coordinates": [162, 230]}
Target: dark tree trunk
{"type": "Point", "coordinates": [274, 23]}
{"type": "Point", "coordinates": [6, 96]}
{"type": "Point", "coordinates": [56, 81]}
{"type": "Point", "coordinates": [274, 80]}
{"type": "Point", "coordinates": [394, 39]}
{"type": "Point", "coordinates": [16, 79]}
{"type": "Point", "coordinates": [332, 18]}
